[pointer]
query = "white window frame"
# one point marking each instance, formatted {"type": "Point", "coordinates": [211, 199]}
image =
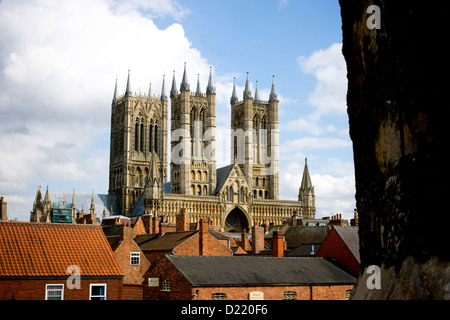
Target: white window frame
{"type": "Point", "coordinates": [166, 285]}
{"type": "Point", "coordinates": [135, 254]}
{"type": "Point", "coordinates": [47, 290]}
{"type": "Point", "coordinates": [97, 285]}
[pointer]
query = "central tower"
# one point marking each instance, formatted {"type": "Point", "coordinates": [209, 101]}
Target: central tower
{"type": "Point", "coordinates": [193, 126]}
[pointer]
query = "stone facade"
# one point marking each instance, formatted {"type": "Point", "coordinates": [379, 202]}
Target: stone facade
{"type": "Point", "coordinates": [234, 197]}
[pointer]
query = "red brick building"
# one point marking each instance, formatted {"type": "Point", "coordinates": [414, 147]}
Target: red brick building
{"type": "Point", "coordinates": [131, 259]}
{"type": "Point", "coordinates": [52, 261]}
{"type": "Point", "coordinates": [182, 242]}
{"type": "Point", "coordinates": [246, 278]}
{"type": "Point", "coordinates": [342, 243]}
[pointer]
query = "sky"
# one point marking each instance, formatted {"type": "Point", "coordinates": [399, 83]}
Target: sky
{"type": "Point", "coordinates": [59, 60]}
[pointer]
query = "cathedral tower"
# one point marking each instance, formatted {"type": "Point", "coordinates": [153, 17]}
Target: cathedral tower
{"type": "Point", "coordinates": [193, 125]}
{"type": "Point", "coordinates": [254, 140]}
{"type": "Point", "coordinates": [138, 129]}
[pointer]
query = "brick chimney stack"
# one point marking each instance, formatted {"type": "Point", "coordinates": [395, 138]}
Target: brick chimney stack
{"type": "Point", "coordinates": [3, 209]}
{"type": "Point", "coordinates": [204, 237]}
{"type": "Point", "coordinates": [336, 220]}
{"type": "Point", "coordinates": [278, 244]}
{"type": "Point", "coordinates": [127, 232]}
{"type": "Point", "coordinates": [257, 239]}
{"type": "Point", "coordinates": [244, 240]}
{"type": "Point", "coordinates": [182, 221]}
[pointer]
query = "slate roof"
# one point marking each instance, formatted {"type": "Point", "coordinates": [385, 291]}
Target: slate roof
{"type": "Point", "coordinates": [165, 242]}
{"type": "Point", "coordinates": [259, 270]}
{"type": "Point", "coordinates": [33, 249]}
{"type": "Point", "coordinates": [83, 200]}
{"type": "Point", "coordinates": [350, 237]}
{"type": "Point", "coordinates": [295, 236]}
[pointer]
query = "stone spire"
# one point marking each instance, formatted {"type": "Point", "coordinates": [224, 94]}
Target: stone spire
{"type": "Point", "coordinates": [150, 90]}
{"type": "Point", "coordinates": [306, 194]}
{"type": "Point", "coordinates": [198, 91]}
{"type": "Point", "coordinates": [210, 88]}
{"type": "Point", "coordinates": [273, 93]}
{"type": "Point", "coordinates": [256, 92]}
{"type": "Point", "coordinates": [247, 92]}
{"type": "Point", "coordinates": [163, 89]}
{"type": "Point", "coordinates": [173, 91]}
{"type": "Point", "coordinates": [92, 209]}
{"type": "Point", "coordinates": [306, 180]}
{"type": "Point", "coordinates": [116, 94]}
{"type": "Point", "coordinates": [184, 81]}
{"type": "Point", "coordinates": [128, 90]}
{"type": "Point", "coordinates": [234, 97]}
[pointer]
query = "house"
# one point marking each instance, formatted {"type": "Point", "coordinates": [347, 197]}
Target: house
{"type": "Point", "coordinates": [342, 243]}
{"type": "Point", "coordinates": [182, 242]}
{"type": "Point", "coordinates": [54, 261]}
{"type": "Point", "coordinates": [247, 277]}
{"type": "Point", "coordinates": [131, 259]}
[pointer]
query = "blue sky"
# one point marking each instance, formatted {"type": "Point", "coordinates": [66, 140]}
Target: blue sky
{"type": "Point", "coordinates": [59, 61]}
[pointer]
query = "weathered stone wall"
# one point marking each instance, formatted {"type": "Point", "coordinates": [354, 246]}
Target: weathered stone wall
{"type": "Point", "coordinates": [396, 105]}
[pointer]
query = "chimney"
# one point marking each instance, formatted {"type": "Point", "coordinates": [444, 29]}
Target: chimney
{"type": "Point", "coordinates": [3, 209]}
{"type": "Point", "coordinates": [336, 220]}
{"type": "Point", "coordinates": [354, 221]}
{"type": "Point", "coordinates": [244, 240]}
{"type": "Point", "coordinates": [127, 232]}
{"type": "Point", "coordinates": [182, 221]}
{"type": "Point", "coordinates": [278, 244]}
{"type": "Point", "coordinates": [257, 239]}
{"type": "Point", "coordinates": [204, 235]}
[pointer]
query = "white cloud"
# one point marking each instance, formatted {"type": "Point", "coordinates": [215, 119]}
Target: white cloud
{"type": "Point", "coordinates": [58, 64]}
{"type": "Point", "coordinates": [329, 68]}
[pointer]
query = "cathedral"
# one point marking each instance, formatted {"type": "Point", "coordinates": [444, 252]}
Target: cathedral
{"type": "Point", "coordinates": [237, 196]}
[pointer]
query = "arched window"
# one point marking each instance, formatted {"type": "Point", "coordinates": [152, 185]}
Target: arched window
{"type": "Point", "coordinates": [156, 139]}
{"type": "Point", "coordinates": [199, 190]}
{"type": "Point", "coordinates": [150, 138]}
{"type": "Point", "coordinates": [266, 194]}
{"type": "Point", "coordinates": [136, 137]}
{"type": "Point", "coordinates": [260, 196]}
{"type": "Point", "coordinates": [141, 148]}
{"type": "Point", "coordinates": [205, 190]}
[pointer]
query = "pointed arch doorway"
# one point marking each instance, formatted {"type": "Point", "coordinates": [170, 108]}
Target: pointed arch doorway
{"type": "Point", "coordinates": [236, 221]}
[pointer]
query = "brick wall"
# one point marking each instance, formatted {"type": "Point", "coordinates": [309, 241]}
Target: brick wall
{"type": "Point", "coordinates": [181, 289]}
{"type": "Point", "coordinates": [35, 289]}
{"type": "Point", "coordinates": [334, 246]}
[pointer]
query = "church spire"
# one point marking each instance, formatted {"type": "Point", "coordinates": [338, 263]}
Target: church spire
{"type": "Point", "coordinates": [210, 88]}
{"type": "Point", "coordinates": [116, 94]}
{"type": "Point", "coordinates": [92, 209]}
{"type": "Point", "coordinates": [150, 90]}
{"type": "Point", "coordinates": [198, 91]}
{"type": "Point", "coordinates": [234, 97]}
{"type": "Point", "coordinates": [128, 90]}
{"type": "Point", "coordinates": [306, 180]}
{"type": "Point", "coordinates": [273, 93]}
{"type": "Point", "coordinates": [256, 92]}
{"type": "Point", "coordinates": [184, 82]}
{"type": "Point", "coordinates": [247, 92]}
{"type": "Point", "coordinates": [173, 91]}
{"type": "Point", "coordinates": [163, 89]}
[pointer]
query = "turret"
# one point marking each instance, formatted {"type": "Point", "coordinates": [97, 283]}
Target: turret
{"type": "Point", "coordinates": [128, 92]}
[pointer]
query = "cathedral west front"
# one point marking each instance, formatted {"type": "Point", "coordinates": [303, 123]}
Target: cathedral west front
{"type": "Point", "coordinates": [237, 196]}
{"type": "Point", "coordinates": [242, 194]}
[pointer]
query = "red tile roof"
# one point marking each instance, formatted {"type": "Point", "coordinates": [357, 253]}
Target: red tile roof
{"type": "Point", "coordinates": [31, 249]}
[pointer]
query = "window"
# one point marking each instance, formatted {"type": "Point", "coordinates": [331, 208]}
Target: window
{"type": "Point", "coordinates": [218, 296]}
{"type": "Point", "coordinates": [290, 295]}
{"type": "Point", "coordinates": [166, 286]}
{"type": "Point", "coordinates": [135, 258]}
{"type": "Point", "coordinates": [347, 294]}
{"type": "Point", "coordinates": [54, 292]}
{"type": "Point", "coordinates": [97, 291]}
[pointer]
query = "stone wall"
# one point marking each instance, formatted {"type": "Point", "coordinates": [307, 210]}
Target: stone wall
{"type": "Point", "coordinates": [396, 101]}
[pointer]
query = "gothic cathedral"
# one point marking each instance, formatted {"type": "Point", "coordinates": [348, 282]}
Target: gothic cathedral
{"type": "Point", "coordinates": [234, 197]}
